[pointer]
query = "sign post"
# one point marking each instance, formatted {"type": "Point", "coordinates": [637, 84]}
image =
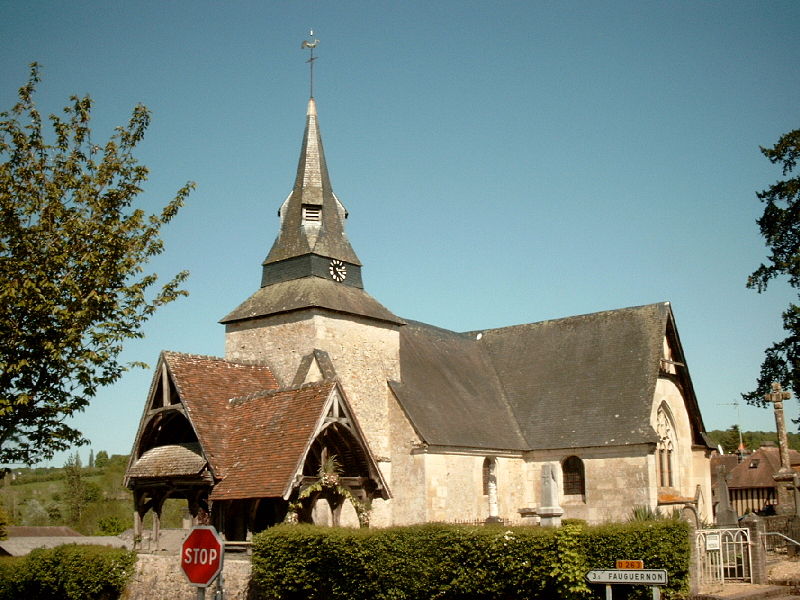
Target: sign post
{"type": "Point", "coordinates": [610, 577]}
{"type": "Point", "coordinates": [202, 555]}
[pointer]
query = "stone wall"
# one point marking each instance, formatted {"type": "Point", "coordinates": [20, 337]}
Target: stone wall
{"type": "Point", "coordinates": [364, 354]}
{"type": "Point", "coordinates": [616, 480]}
{"type": "Point", "coordinates": [159, 577]}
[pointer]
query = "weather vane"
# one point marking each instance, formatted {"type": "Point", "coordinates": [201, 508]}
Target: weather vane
{"type": "Point", "coordinates": [310, 43]}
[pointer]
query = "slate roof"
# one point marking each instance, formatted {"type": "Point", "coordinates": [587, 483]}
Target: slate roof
{"type": "Point", "coordinates": [310, 292]}
{"type": "Point", "coordinates": [312, 186]}
{"type": "Point", "coordinates": [757, 470]}
{"type": "Point", "coordinates": [450, 392]}
{"type": "Point", "coordinates": [581, 381]}
{"type": "Point", "coordinates": [41, 531]}
{"type": "Point", "coordinates": [20, 546]}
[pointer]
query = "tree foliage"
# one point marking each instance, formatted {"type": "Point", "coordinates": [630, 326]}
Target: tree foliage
{"type": "Point", "coordinates": [780, 226]}
{"type": "Point", "coordinates": [73, 248]}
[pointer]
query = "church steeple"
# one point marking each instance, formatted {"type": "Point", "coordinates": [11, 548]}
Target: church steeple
{"type": "Point", "coordinates": [312, 241]}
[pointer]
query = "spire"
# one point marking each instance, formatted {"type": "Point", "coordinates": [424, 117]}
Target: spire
{"type": "Point", "coordinates": [312, 240]}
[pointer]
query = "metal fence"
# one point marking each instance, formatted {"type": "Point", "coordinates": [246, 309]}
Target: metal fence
{"type": "Point", "coordinates": [724, 555]}
{"type": "Point", "coordinates": [782, 535]}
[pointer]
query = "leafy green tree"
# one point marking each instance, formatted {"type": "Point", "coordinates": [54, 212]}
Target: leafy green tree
{"type": "Point", "coordinates": [74, 489]}
{"type": "Point", "coordinates": [73, 251]}
{"type": "Point", "coordinates": [780, 226]}
{"type": "Point", "coordinates": [4, 523]}
{"type": "Point", "coordinates": [101, 460]}
{"type": "Point", "coordinates": [728, 439]}
{"type": "Point", "coordinates": [111, 525]}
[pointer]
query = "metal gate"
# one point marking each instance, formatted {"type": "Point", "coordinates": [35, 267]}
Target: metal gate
{"type": "Point", "coordinates": [723, 555]}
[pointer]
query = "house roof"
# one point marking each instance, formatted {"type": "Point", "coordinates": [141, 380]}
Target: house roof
{"type": "Point", "coordinates": [310, 292]}
{"type": "Point", "coordinates": [20, 546]}
{"type": "Point", "coordinates": [268, 434]}
{"type": "Point", "coordinates": [252, 434]}
{"type": "Point", "coordinates": [206, 385]}
{"type": "Point", "coordinates": [757, 470]}
{"type": "Point", "coordinates": [41, 531]}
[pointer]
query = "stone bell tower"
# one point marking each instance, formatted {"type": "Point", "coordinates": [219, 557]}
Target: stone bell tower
{"type": "Point", "coordinates": [311, 319]}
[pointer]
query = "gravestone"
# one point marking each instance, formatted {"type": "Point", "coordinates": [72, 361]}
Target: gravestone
{"type": "Point", "coordinates": [550, 512]}
{"type": "Point", "coordinates": [726, 516]}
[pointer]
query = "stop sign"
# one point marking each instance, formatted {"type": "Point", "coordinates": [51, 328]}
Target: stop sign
{"type": "Point", "coordinates": [201, 555]}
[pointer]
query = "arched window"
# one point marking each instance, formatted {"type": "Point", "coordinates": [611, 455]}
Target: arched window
{"type": "Point", "coordinates": [573, 476]}
{"type": "Point", "coordinates": [665, 448]}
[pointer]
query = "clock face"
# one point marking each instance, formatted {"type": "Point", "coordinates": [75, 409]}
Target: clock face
{"type": "Point", "coordinates": [338, 270]}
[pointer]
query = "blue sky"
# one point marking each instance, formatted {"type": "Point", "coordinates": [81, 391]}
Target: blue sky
{"type": "Point", "coordinates": [502, 162]}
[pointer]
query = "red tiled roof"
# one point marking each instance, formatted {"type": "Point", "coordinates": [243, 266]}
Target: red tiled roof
{"type": "Point", "coordinates": [267, 438]}
{"type": "Point", "coordinates": [206, 385]}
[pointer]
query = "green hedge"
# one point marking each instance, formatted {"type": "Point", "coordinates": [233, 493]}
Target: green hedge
{"type": "Point", "coordinates": [454, 562]}
{"type": "Point", "coordinates": [69, 572]}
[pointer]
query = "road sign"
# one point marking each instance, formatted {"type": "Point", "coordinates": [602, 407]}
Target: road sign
{"type": "Point", "coordinates": [629, 576]}
{"type": "Point", "coordinates": [630, 564]}
{"type": "Point", "coordinates": [201, 555]}
{"type": "Point", "coordinates": [712, 541]}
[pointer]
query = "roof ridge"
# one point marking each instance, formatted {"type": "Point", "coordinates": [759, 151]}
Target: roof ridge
{"type": "Point", "coordinates": [269, 393]}
{"type": "Point", "coordinates": [563, 319]}
{"type": "Point", "coordinates": [216, 358]}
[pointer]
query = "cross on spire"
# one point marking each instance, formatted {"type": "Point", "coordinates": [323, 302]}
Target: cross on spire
{"type": "Point", "coordinates": [310, 43]}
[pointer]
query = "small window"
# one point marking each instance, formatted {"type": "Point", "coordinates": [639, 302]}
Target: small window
{"type": "Point", "coordinates": [754, 463]}
{"type": "Point", "coordinates": [574, 479]}
{"type": "Point", "coordinates": [312, 213]}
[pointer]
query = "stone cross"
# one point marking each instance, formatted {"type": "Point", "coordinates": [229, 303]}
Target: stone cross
{"type": "Point", "coordinates": [777, 396]}
{"type": "Point", "coordinates": [786, 479]}
{"type": "Point", "coordinates": [550, 512]}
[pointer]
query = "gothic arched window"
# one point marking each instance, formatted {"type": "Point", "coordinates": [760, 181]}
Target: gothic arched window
{"type": "Point", "coordinates": [665, 449]}
{"type": "Point", "coordinates": [573, 476]}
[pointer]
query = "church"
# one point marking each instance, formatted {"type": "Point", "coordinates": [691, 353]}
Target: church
{"type": "Point", "coordinates": [329, 408]}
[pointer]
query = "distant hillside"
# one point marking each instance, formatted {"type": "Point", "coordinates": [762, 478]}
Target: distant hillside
{"type": "Point", "coordinates": [92, 500]}
{"type": "Point", "coordinates": [729, 439]}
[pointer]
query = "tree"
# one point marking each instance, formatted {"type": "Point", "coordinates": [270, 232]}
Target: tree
{"type": "Point", "coordinates": [101, 460]}
{"type": "Point", "coordinates": [74, 489]}
{"type": "Point", "coordinates": [780, 226]}
{"type": "Point", "coordinates": [73, 287]}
